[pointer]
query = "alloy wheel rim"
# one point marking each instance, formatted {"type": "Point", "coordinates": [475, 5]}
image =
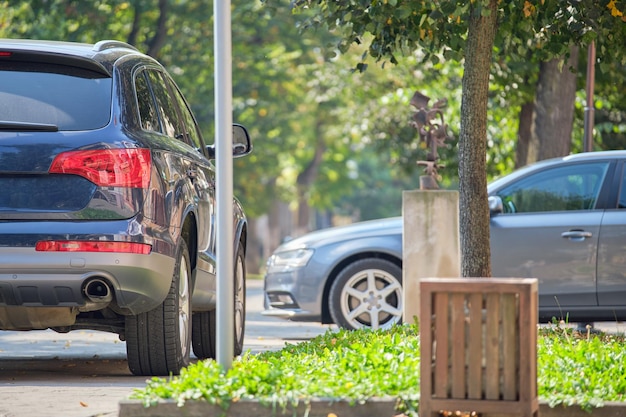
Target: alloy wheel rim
{"type": "Point", "coordinates": [239, 299]}
{"type": "Point", "coordinates": [372, 298]}
{"type": "Point", "coordinates": [184, 306]}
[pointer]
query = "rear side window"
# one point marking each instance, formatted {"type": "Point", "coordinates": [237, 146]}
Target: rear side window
{"type": "Point", "coordinates": [148, 113]}
{"type": "Point", "coordinates": [167, 108]}
{"type": "Point", "coordinates": [67, 97]}
{"type": "Point", "coordinates": [190, 123]}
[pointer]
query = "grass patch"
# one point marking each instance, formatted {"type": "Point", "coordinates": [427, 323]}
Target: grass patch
{"type": "Point", "coordinates": [573, 368]}
{"type": "Point", "coordinates": [586, 369]}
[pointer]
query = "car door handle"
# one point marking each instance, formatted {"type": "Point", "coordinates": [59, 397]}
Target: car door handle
{"type": "Point", "coordinates": [576, 235]}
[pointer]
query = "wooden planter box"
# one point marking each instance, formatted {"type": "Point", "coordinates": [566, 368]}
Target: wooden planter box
{"type": "Point", "coordinates": [478, 346]}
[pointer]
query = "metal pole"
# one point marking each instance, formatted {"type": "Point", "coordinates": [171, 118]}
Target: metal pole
{"type": "Point", "coordinates": [224, 193]}
{"type": "Point", "coordinates": [589, 106]}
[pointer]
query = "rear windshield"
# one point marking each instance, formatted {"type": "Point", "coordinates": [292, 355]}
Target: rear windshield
{"type": "Point", "coordinates": [67, 97]}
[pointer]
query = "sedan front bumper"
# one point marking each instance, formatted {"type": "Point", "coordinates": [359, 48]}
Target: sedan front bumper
{"type": "Point", "coordinates": [287, 297]}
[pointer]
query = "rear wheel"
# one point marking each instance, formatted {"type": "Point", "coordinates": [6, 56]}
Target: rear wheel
{"type": "Point", "coordinates": [158, 342]}
{"type": "Point", "coordinates": [204, 333]}
{"type": "Point", "coordinates": [367, 294]}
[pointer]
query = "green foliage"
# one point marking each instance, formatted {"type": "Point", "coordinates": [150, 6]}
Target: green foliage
{"type": "Point", "coordinates": [400, 27]}
{"type": "Point", "coordinates": [77, 21]}
{"type": "Point", "coordinates": [573, 368]}
{"type": "Point", "coordinates": [297, 91]}
{"type": "Point", "coordinates": [580, 369]}
{"type": "Point", "coordinates": [435, 31]}
{"type": "Point", "coordinates": [354, 366]}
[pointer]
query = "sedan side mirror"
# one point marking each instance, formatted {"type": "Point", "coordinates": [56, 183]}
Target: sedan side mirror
{"type": "Point", "coordinates": [242, 145]}
{"type": "Point", "coordinates": [495, 205]}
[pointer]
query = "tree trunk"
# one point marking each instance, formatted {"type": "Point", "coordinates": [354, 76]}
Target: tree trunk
{"type": "Point", "coordinates": [545, 125]}
{"type": "Point", "coordinates": [280, 226]}
{"type": "Point", "coordinates": [525, 151]}
{"type": "Point", "coordinates": [158, 40]}
{"type": "Point", "coordinates": [554, 107]}
{"type": "Point", "coordinates": [474, 210]}
{"type": "Point", "coordinates": [306, 179]}
{"type": "Point", "coordinates": [136, 27]}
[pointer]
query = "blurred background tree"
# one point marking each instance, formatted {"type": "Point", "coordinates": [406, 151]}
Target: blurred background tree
{"type": "Point", "coordinates": [333, 144]}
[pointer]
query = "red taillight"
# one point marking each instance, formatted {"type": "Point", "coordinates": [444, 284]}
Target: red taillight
{"type": "Point", "coordinates": [5, 54]}
{"type": "Point", "coordinates": [91, 246]}
{"type": "Point", "coordinates": [107, 167]}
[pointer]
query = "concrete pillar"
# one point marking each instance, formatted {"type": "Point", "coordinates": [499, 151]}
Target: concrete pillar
{"type": "Point", "coordinates": [430, 242]}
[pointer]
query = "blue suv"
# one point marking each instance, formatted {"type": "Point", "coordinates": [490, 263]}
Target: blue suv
{"type": "Point", "coordinates": [107, 209]}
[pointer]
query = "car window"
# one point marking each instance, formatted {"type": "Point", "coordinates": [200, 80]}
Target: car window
{"type": "Point", "coordinates": [572, 187]}
{"type": "Point", "coordinates": [67, 97]}
{"type": "Point", "coordinates": [191, 128]}
{"type": "Point", "coordinates": [148, 114]}
{"type": "Point", "coordinates": [167, 109]}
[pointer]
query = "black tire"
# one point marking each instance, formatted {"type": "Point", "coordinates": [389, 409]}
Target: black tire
{"type": "Point", "coordinates": [367, 294]}
{"type": "Point", "coordinates": [204, 330]}
{"type": "Point", "coordinates": [159, 342]}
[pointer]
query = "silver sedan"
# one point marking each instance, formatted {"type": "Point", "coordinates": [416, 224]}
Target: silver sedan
{"type": "Point", "coordinates": [562, 221]}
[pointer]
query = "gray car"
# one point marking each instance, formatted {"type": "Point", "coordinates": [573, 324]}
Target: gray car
{"type": "Point", "coordinates": [562, 221]}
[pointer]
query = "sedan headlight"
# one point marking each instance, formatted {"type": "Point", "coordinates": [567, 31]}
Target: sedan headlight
{"type": "Point", "coordinates": [288, 260]}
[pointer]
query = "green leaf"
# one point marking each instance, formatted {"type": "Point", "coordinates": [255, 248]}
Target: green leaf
{"type": "Point", "coordinates": [402, 13]}
{"type": "Point", "coordinates": [423, 19]}
{"type": "Point", "coordinates": [436, 15]}
{"type": "Point", "coordinates": [448, 7]}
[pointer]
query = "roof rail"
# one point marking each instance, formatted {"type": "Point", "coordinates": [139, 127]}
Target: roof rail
{"type": "Point", "coordinates": [108, 44]}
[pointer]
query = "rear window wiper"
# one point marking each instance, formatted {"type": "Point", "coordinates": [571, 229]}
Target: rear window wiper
{"type": "Point", "coordinates": [27, 127]}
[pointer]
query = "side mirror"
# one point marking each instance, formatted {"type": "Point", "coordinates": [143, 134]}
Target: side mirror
{"type": "Point", "coordinates": [242, 145]}
{"type": "Point", "coordinates": [495, 205]}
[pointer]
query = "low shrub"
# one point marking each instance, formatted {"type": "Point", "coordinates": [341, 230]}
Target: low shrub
{"type": "Point", "coordinates": [573, 368]}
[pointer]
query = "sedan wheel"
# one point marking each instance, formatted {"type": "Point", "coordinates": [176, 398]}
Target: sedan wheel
{"type": "Point", "coordinates": [159, 342]}
{"type": "Point", "coordinates": [367, 294]}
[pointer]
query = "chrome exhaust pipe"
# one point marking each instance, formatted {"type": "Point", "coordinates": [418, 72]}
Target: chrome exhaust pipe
{"type": "Point", "coordinates": [98, 291]}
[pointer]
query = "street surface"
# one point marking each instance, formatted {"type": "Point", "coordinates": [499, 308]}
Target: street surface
{"type": "Point", "coordinates": [85, 374]}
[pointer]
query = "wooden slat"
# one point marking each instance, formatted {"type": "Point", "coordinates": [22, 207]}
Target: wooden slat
{"type": "Point", "coordinates": [426, 352]}
{"type": "Point", "coordinates": [492, 351]}
{"type": "Point", "coordinates": [528, 343]}
{"type": "Point", "coordinates": [457, 341]}
{"type": "Point", "coordinates": [485, 285]}
{"type": "Point", "coordinates": [483, 406]}
{"type": "Point", "coordinates": [531, 332]}
{"type": "Point", "coordinates": [441, 349]}
{"type": "Point", "coordinates": [475, 360]}
{"type": "Point", "coordinates": [510, 359]}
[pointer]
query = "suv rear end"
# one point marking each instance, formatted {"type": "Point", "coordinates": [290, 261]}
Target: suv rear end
{"type": "Point", "coordinates": [104, 209]}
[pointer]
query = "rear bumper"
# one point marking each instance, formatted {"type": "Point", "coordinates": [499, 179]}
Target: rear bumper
{"type": "Point", "coordinates": [28, 278]}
